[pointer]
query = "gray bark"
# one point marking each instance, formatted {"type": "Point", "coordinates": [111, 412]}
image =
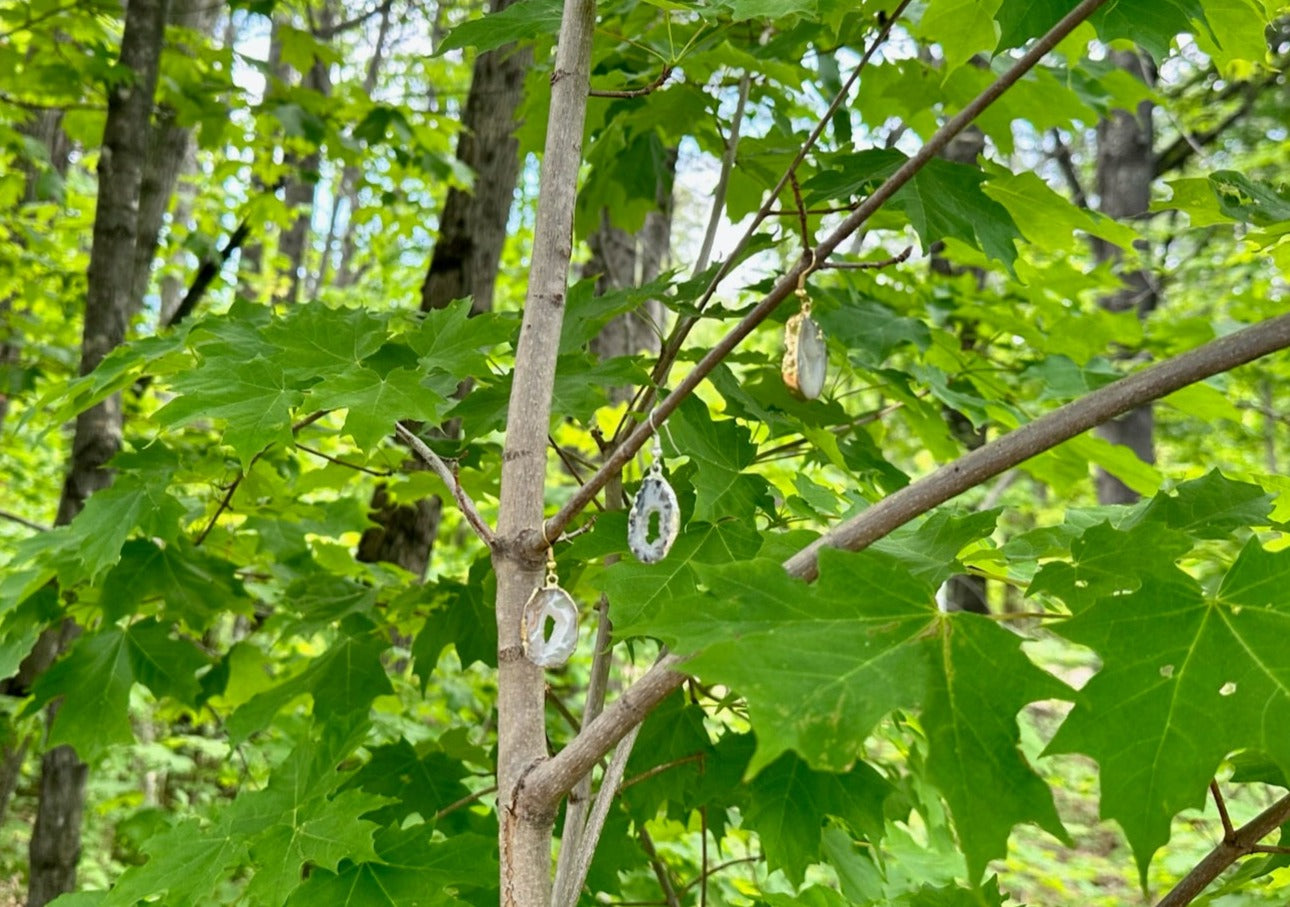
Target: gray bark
{"type": "Point", "coordinates": [472, 231]}
{"type": "Point", "coordinates": [963, 592]}
{"type": "Point", "coordinates": [623, 260]}
{"type": "Point", "coordinates": [526, 825]}
{"type": "Point", "coordinates": [303, 184]}
{"type": "Point", "coordinates": [347, 193]}
{"type": "Point", "coordinates": [1125, 167]}
{"type": "Point", "coordinates": [472, 227]}
{"type": "Point", "coordinates": [55, 842]}
{"type": "Point", "coordinates": [169, 152]}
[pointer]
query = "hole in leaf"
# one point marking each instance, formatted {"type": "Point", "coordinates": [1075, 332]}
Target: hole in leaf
{"type": "Point", "coordinates": [1166, 670]}
{"type": "Point", "coordinates": [1227, 689]}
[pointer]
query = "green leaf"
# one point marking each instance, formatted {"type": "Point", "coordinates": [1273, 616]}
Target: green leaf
{"type": "Point", "coordinates": [374, 403]}
{"type": "Point", "coordinates": [523, 21]}
{"type": "Point", "coordinates": [415, 782]}
{"type": "Point", "coordinates": [1150, 23]}
{"type": "Point", "coordinates": [1251, 201]}
{"type": "Point", "coordinates": [1048, 218]}
{"type": "Point", "coordinates": [342, 682]}
{"type": "Point", "coordinates": [95, 677]}
{"type": "Point", "coordinates": [741, 10]}
{"type": "Point", "coordinates": [1106, 561]}
{"type": "Point", "coordinates": [461, 616]}
{"type": "Point", "coordinates": [819, 665]}
{"type": "Point", "coordinates": [452, 341]}
{"type": "Point", "coordinates": [964, 28]}
{"type": "Point", "coordinates": [637, 590]}
{"type": "Point", "coordinates": [192, 586]}
{"type": "Point", "coordinates": [253, 398]}
{"type": "Point", "coordinates": [943, 201]}
{"type": "Point", "coordinates": [186, 863]}
{"type": "Point", "coordinates": [411, 868]}
{"type": "Point", "coordinates": [1186, 679]}
{"type": "Point", "coordinates": [931, 547]}
{"type": "Point", "coordinates": [319, 342]}
{"type": "Point", "coordinates": [1212, 507]}
{"type": "Point", "coordinates": [788, 802]}
{"type": "Point", "coordinates": [720, 450]}
{"type": "Point", "coordinates": [973, 738]}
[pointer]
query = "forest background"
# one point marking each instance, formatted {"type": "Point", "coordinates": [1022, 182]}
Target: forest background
{"type": "Point", "coordinates": [328, 328]}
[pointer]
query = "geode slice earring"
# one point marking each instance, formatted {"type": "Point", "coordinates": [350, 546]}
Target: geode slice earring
{"type": "Point", "coordinates": [655, 498]}
{"type": "Point", "coordinates": [549, 603]}
{"type": "Point", "coordinates": [806, 356]}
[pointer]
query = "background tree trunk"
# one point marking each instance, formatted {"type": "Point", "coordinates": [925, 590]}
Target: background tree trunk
{"type": "Point", "coordinates": [963, 591]}
{"type": "Point", "coordinates": [169, 154]}
{"type": "Point", "coordinates": [472, 232]}
{"type": "Point", "coordinates": [55, 840]}
{"type": "Point", "coordinates": [302, 183]}
{"type": "Point", "coordinates": [1125, 167]}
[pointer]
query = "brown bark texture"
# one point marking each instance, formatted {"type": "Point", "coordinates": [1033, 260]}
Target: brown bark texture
{"type": "Point", "coordinates": [55, 841]}
{"type": "Point", "coordinates": [1125, 167]}
{"type": "Point", "coordinates": [963, 592]}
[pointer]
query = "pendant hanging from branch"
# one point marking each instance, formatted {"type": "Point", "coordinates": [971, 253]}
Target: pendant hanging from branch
{"type": "Point", "coordinates": [549, 603]}
{"type": "Point", "coordinates": [655, 498]}
{"type": "Point", "coordinates": [806, 355]}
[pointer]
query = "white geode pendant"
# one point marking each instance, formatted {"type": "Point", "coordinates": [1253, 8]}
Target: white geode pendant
{"type": "Point", "coordinates": [806, 357]}
{"type": "Point", "coordinates": [550, 603]}
{"type": "Point", "coordinates": [654, 496]}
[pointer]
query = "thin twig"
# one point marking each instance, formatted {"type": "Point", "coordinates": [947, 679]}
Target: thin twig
{"type": "Point", "coordinates": [757, 858]}
{"type": "Point", "coordinates": [672, 346]}
{"type": "Point", "coordinates": [788, 282]}
{"type": "Point", "coordinates": [570, 465]}
{"type": "Point", "coordinates": [1242, 842]}
{"type": "Point", "coordinates": [703, 856]}
{"type": "Point", "coordinates": [1065, 163]}
{"type": "Point", "coordinates": [1228, 829]}
{"type": "Point", "coordinates": [565, 712]}
{"type": "Point", "coordinates": [868, 265]}
{"type": "Point", "coordinates": [609, 786]}
{"type": "Point", "coordinates": [661, 872]}
{"type": "Point", "coordinates": [1270, 849]}
{"type": "Point", "coordinates": [465, 801]}
{"type": "Point", "coordinates": [436, 463]}
{"type": "Point", "coordinates": [660, 769]}
{"type": "Point", "coordinates": [381, 473]}
{"type": "Point", "coordinates": [633, 92]}
{"type": "Point", "coordinates": [22, 521]}
{"type": "Point", "coordinates": [801, 214]}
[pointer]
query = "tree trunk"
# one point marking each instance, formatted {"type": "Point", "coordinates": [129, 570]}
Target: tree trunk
{"type": "Point", "coordinates": [347, 192]}
{"type": "Point", "coordinates": [524, 834]}
{"type": "Point", "coordinates": [1125, 166]}
{"type": "Point", "coordinates": [963, 592]}
{"type": "Point", "coordinates": [623, 260]}
{"type": "Point", "coordinates": [303, 184]}
{"type": "Point", "coordinates": [55, 839]}
{"type": "Point", "coordinates": [168, 154]}
{"type": "Point", "coordinates": [472, 231]}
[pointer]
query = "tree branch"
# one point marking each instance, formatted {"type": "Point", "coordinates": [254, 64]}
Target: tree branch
{"type": "Point", "coordinates": [1242, 842]}
{"type": "Point", "coordinates": [866, 209]}
{"type": "Point", "coordinates": [464, 501]}
{"type": "Point", "coordinates": [567, 894]}
{"type": "Point", "coordinates": [1044, 433]}
{"type": "Point", "coordinates": [633, 92]}
{"type": "Point", "coordinates": [525, 827]}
